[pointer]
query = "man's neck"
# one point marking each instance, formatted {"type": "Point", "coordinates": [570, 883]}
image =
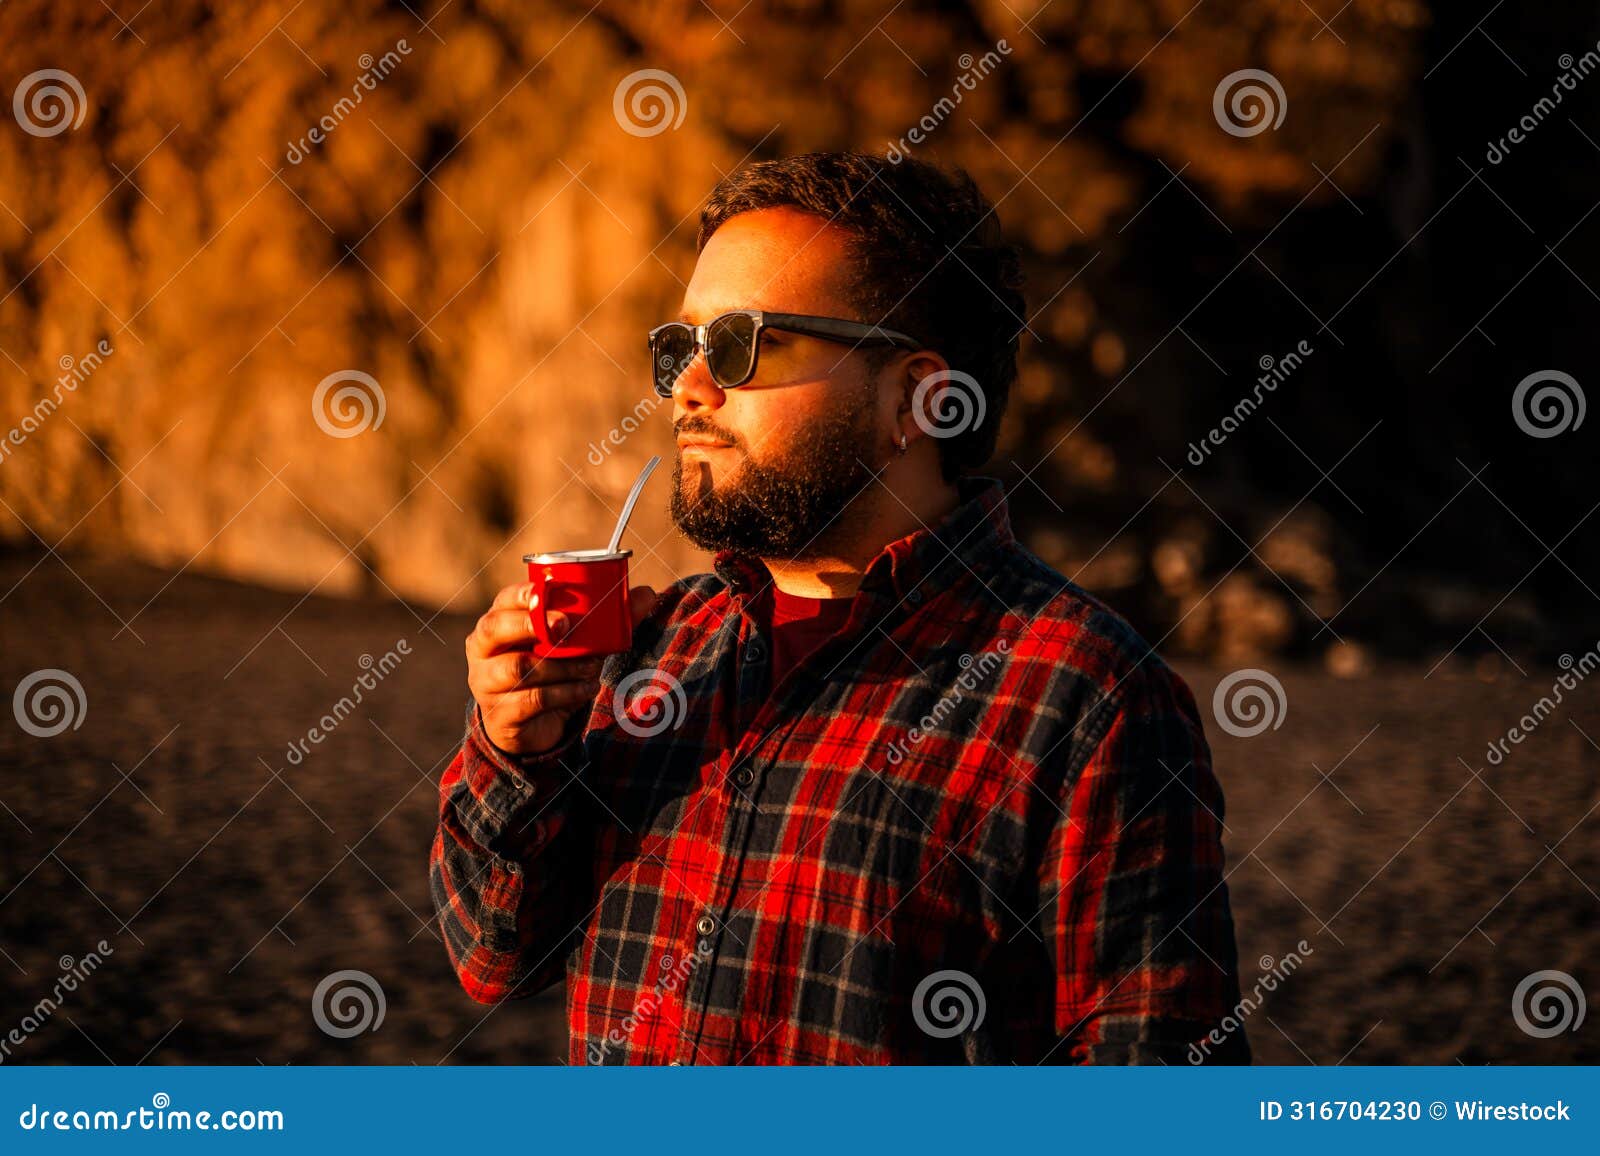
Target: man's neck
{"type": "Point", "coordinates": [880, 517]}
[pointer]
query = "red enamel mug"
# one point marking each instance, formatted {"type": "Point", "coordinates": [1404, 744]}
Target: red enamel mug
{"type": "Point", "coordinates": [591, 588]}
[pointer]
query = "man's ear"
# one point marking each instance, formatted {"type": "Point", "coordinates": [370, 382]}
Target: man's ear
{"type": "Point", "coordinates": [917, 401]}
{"type": "Point", "coordinates": [932, 396]}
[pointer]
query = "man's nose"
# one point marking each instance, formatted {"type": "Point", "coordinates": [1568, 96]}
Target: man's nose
{"type": "Point", "coordinates": [694, 391]}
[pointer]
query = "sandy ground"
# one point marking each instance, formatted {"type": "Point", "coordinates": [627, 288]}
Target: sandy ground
{"type": "Point", "coordinates": [228, 882]}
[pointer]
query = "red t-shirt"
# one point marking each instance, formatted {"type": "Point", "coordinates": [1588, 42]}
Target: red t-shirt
{"type": "Point", "coordinates": [800, 625]}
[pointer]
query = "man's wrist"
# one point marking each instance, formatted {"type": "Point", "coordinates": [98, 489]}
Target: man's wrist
{"type": "Point", "coordinates": [523, 768]}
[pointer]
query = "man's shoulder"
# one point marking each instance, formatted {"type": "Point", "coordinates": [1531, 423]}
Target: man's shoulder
{"type": "Point", "coordinates": [1062, 614]}
{"type": "Point", "coordinates": [1095, 654]}
{"type": "Point", "coordinates": [1087, 674]}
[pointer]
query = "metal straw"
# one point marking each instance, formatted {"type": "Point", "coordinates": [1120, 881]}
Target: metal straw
{"type": "Point", "coordinates": [633, 496]}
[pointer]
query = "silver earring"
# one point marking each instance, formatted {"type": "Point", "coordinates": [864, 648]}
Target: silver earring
{"type": "Point", "coordinates": [902, 443]}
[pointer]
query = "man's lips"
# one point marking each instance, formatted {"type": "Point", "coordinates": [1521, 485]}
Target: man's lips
{"type": "Point", "coordinates": [695, 443]}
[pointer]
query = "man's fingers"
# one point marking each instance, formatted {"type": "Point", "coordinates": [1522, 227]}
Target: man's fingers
{"type": "Point", "coordinates": [641, 600]}
{"type": "Point", "coordinates": [517, 594]}
{"type": "Point", "coordinates": [500, 674]}
{"type": "Point", "coordinates": [500, 630]}
{"type": "Point", "coordinates": [552, 696]}
{"type": "Point", "coordinates": [520, 668]}
{"type": "Point", "coordinates": [510, 629]}
{"type": "Point", "coordinates": [525, 700]}
{"type": "Point", "coordinates": [517, 705]}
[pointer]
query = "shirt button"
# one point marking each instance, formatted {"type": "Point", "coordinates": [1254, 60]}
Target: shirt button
{"type": "Point", "coordinates": [744, 776]}
{"type": "Point", "coordinates": [706, 925]}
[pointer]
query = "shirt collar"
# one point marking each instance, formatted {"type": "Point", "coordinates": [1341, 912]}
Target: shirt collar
{"type": "Point", "coordinates": [979, 523]}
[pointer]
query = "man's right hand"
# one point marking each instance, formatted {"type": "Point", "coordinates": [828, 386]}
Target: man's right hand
{"type": "Point", "coordinates": [524, 700]}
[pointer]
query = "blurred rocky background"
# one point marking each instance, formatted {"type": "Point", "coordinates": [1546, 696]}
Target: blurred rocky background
{"type": "Point", "coordinates": [197, 298]}
{"type": "Point", "coordinates": [481, 235]}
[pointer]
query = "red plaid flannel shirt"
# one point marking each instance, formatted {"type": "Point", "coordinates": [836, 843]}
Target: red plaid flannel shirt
{"type": "Point", "coordinates": [978, 824]}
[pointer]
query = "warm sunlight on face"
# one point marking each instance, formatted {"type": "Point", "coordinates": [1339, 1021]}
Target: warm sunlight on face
{"type": "Point", "coordinates": [782, 455]}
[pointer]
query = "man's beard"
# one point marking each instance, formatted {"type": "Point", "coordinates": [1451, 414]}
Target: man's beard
{"type": "Point", "coordinates": [788, 508]}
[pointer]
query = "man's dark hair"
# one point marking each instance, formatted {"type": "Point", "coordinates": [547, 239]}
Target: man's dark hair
{"type": "Point", "coordinates": [931, 262]}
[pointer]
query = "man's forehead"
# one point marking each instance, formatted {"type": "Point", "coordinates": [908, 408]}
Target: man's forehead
{"type": "Point", "coordinates": [776, 259]}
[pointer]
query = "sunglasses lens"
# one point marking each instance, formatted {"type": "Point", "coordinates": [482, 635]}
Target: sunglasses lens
{"type": "Point", "coordinates": [731, 349]}
{"type": "Point", "coordinates": [671, 349]}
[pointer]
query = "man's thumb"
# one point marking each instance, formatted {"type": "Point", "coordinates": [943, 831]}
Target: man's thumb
{"type": "Point", "coordinates": [641, 599]}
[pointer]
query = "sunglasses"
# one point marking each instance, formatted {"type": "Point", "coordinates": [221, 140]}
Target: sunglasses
{"type": "Point", "coordinates": [732, 341]}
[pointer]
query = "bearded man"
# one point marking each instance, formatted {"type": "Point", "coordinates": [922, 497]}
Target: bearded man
{"type": "Point", "coordinates": [883, 787]}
